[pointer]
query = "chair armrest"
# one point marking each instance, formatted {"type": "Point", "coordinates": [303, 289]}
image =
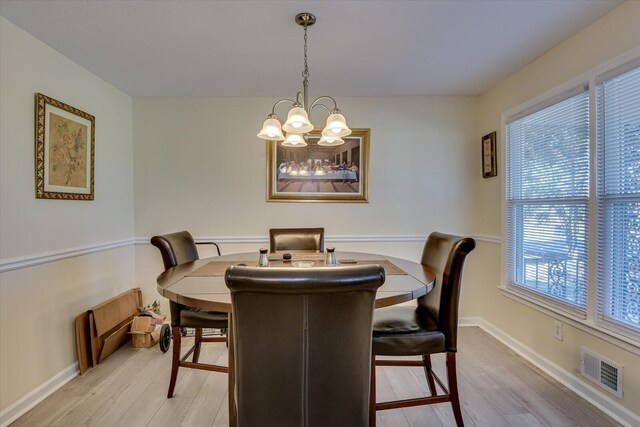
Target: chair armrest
{"type": "Point", "coordinates": [210, 243]}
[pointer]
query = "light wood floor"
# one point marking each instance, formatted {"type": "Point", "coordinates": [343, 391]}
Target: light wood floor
{"type": "Point", "coordinates": [497, 388]}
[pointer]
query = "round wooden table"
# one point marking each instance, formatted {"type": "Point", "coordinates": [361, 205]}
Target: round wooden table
{"type": "Point", "coordinates": [201, 284]}
{"type": "Point", "coordinates": [179, 285]}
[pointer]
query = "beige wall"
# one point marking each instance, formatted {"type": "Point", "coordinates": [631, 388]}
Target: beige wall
{"type": "Point", "coordinates": [614, 34]}
{"type": "Point", "coordinates": [200, 166]}
{"type": "Point", "coordinates": [38, 304]}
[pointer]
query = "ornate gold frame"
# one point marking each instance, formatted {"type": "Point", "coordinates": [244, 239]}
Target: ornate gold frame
{"type": "Point", "coordinates": [361, 197]}
{"type": "Point", "coordinates": [40, 120]}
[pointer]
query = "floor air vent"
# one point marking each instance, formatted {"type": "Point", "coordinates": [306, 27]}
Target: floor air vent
{"type": "Point", "coordinates": [601, 371]}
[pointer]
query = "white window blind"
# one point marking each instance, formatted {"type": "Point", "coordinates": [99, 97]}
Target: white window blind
{"type": "Point", "coordinates": [618, 200]}
{"type": "Point", "coordinates": [548, 203]}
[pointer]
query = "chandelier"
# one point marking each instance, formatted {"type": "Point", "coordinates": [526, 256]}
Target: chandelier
{"type": "Point", "coordinates": [298, 125]}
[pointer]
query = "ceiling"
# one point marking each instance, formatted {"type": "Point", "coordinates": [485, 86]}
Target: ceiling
{"type": "Point", "coordinates": [253, 48]}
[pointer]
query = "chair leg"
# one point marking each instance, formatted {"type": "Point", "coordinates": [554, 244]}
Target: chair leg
{"type": "Point", "coordinates": [197, 343]}
{"type": "Point", "coordinates": [426, 358]}
{"type": "Point", "coordinates": [175, 363]}
{"type": "Point", "coordinates": [372, 394]}
{"type": "Point", "coordinates": [453, 388]}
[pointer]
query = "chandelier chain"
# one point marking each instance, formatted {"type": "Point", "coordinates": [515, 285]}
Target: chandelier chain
{"type": "Point", "coordinates": [305, 73]}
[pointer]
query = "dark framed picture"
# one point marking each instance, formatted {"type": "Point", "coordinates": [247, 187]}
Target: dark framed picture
{"type": "Point", "coordinates": [489, 160]}
{"type": "Point", "coordinates": [319, 172]}
{"type": "Point", "coordinates": [65, 141]}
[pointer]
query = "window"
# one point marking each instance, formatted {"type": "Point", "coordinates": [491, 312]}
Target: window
{"type": "Point", "coordinates": [548, 202]}
{"type": "Point", "coordinates": [618, 199]}
{"type": "Point", "coordinates": [573, 196]}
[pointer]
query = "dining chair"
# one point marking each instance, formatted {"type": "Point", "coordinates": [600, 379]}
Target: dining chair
{"type": "Point", "coordinates": [430, 327]}
{"type": "Point", "coordinates": [313, 369]}
{"type": "Point", "coordinates": [179, 248]}
{"type": "Point", "coordinates": [296, 239]}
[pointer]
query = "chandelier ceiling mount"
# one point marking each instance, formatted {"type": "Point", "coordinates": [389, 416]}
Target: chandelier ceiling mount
{"type": "Point", "coordinates": [305, 18]}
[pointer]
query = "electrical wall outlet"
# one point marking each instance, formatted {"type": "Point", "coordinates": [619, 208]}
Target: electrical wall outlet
{"type": "Point", "coordinates": [557, 332]}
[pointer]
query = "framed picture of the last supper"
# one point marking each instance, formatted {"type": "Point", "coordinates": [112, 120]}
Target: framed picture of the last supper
{"type": "Point", "coordinates": [319, 171]}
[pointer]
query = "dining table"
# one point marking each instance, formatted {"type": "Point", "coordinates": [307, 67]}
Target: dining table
{"type": "Point", "coordinates": [201, 284]}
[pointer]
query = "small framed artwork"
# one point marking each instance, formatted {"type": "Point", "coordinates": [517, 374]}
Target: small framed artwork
{"type": "Point", "coordinates": [489, 161]}
{"type": "Point", "coordinates": [65, 142]}
{"type": "Point", "coordinates": [319, 171]}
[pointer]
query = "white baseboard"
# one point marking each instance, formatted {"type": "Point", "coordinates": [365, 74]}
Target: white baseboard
{"type": "Point", "coordinates": [469, 321]}
{"type": "Point", "coordinates": [37, 395]}
{"type": "Point", "coordinates": [592, 395]}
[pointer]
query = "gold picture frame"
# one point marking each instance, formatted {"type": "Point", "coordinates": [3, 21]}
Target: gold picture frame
{"type": "Point", "coordinates": [64, 151]}
{"type": "Point", "coordinates": [317, 173]}
{"type": "Point", "coordinates": [489, 160]}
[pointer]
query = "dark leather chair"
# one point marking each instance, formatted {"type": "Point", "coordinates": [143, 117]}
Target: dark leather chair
{"type": "Point", "coordinates": [296, 239]}
{"type": "Point", "coordinates": [427, 329]}
{"type": "Point", "coordinates": [313, 369]}
{"type": "Point", "coordinates": [179, 248]}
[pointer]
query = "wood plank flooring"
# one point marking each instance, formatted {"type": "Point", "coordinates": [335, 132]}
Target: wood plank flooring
{"type": "Point", "coordinates": [497, 388]}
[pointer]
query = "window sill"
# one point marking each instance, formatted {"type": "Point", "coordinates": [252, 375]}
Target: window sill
{"type": "Point", "coordinates": [626, 343]}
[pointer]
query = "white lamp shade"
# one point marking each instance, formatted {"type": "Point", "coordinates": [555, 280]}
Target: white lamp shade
{"type": "Point", "coordinates": [336, 126]}
{"type": "Point", "coordinates": [297, 121]}
{"type": "Point", "coordinates": [271, 130]}
{"type": "Point", "coordinates": [330, 141]}
{"type": "Point", "coordinates": [294, 140]}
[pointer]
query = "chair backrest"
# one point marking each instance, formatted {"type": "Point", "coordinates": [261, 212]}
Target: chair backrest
{"type": "Point", "coordinates": [176, 248]}
{"type": "Point", "coordinates": [302, 340]}
{"type": "Point", "coordinates": [445, 255]}
{"type": "Point", "coordinates": [296, 239]}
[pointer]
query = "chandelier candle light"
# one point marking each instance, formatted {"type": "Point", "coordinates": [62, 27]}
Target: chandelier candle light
{"type": "Point", "coordinates": [298, 125]}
